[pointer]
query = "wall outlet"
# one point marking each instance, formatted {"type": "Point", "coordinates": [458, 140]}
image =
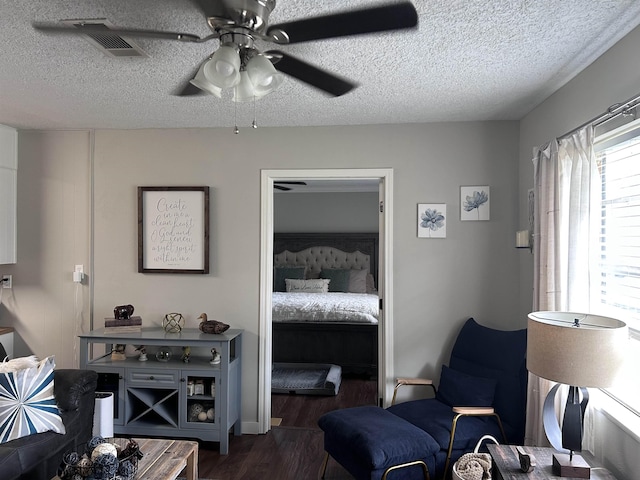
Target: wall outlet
{"type": "Point", "coordinates": [7, 281]}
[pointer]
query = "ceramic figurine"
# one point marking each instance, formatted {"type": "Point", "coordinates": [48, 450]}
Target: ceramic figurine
{"type": "Point", "coordinates": [123, 312]}
{"type": "Point", "coordinates": [186, 353]}
{"type": "Point", "coordinates": [143, 353]}
{"type": "Point", "coordinates": [118, 352]}
{"type": "Point", "coordinates": [215, 357]}
{"type": "Point", "coordinates": [211, 326]}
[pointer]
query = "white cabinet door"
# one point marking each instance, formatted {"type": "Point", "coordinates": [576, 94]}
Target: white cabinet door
{"type": "Point", "coordinates": [8, 193]}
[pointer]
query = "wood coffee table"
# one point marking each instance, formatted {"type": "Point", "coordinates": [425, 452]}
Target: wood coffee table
{"type": "Point", "coordinates": [165, 458]}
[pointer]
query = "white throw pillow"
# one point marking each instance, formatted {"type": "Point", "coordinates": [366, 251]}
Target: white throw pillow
{"type": "Point", "coordinates": [19, 364]}
{"type": "Point", "coordinates": [316, 285]}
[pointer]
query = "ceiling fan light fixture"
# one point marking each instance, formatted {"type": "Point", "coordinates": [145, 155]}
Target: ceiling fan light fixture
{"type": "Point", "coordinates": [244, 91]}
{"type": "Point", "coordinates": [203, 84]}
{"type": "Point", "coordinates": [263, 75]}
{"type": "Point", "coordinates": [223, 70]}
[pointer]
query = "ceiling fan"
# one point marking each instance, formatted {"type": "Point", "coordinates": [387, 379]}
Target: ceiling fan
{"type": "Point", "coordinates": [279, 185]}
{"type": "Point", "coordinates": [237, 64]}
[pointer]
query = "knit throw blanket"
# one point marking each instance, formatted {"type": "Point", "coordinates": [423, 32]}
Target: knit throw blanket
{"type": "Point", "coordinates": [474, 466]}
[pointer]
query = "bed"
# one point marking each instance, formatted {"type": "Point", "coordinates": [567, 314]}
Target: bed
{"type": "Point", "coordinates": [314, 326]}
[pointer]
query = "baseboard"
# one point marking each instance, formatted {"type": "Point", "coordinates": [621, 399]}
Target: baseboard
{"type": "Point", "coordinates": [250, 428]}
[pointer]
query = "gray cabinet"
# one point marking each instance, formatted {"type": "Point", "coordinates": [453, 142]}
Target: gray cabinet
{"type": "Point", "coordinates": [172, 398]}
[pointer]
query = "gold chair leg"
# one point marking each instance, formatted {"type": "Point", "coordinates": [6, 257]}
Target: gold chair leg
{"type": "Point", "coordinates": [454, 423]}
{"type": "Point", "coordinates": [450, 449]}
{"type": "Point", "coordinates": [323, 470]}
{"type": "Point", "coordinates": [425, 470]}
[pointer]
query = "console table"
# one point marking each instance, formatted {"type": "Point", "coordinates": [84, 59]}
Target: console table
{"type": "Point", "coordinates": [158, 398]}
{"type": "Point", "coordinates": [506, 465]}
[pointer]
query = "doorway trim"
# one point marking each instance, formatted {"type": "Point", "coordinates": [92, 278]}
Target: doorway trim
{"type": "Point", "coordinates": [385, 337]}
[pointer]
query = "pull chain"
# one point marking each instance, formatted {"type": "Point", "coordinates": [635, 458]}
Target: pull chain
{"type": "Point", "coordinates": [236, 130]}
{"type": "Point", "coordinates": [255, 122]}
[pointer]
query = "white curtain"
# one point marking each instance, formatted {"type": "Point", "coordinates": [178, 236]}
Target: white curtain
{"type": "Point", "coordinates": [565, 174]}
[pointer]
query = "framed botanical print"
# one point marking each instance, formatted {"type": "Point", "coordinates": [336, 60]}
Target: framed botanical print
{"type": "Point", "coordinates": [474, 203]}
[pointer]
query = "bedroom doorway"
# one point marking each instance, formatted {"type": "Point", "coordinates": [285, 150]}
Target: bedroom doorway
{"type": "Point", "coordinates": [269, 178]}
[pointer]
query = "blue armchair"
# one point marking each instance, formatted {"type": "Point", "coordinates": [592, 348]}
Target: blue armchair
{"type": "Point", "coordinates": [482, 391]}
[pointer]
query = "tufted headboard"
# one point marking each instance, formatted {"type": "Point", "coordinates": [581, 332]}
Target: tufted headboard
{"type": "Point", "coordinates": [319, 258]}
{"type": "Point", "coordinates": [328, 250]}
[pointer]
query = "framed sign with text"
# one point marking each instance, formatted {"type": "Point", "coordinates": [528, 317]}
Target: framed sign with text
{"type": "Point", "coordinates": [173, 229]}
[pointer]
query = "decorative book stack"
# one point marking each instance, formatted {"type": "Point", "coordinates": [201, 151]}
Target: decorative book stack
{"type": "Point", "coordinates": [123, 325]}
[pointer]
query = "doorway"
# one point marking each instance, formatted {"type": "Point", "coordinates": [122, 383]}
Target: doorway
{"type": "Point", "coordinates": [385, 337]}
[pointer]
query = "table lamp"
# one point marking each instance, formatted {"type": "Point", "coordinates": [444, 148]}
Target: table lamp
{"type": "Point", "coordinates": [579, 350]}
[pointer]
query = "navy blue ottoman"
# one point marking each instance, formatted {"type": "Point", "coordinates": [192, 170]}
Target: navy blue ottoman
{"type": "Point", "coordinates": [366, 441]}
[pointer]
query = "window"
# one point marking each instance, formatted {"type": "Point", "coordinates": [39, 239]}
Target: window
{"type": "Point", "coordinates": [616, 283]}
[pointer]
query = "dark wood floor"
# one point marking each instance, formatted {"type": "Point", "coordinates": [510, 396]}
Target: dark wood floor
{"type": "Point", "coordinates": [291, 451]}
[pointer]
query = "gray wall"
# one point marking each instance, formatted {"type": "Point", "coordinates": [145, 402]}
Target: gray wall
{"type": "Point", "coordinates": [611, 79]}
{"type": "Point", "coordinates": [438, 283]}
{"type": "Point", "coordinates": [325, 212]}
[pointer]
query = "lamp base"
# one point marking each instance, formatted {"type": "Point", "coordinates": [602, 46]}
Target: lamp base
{"type": "Point", "coordinates": [576, 467]}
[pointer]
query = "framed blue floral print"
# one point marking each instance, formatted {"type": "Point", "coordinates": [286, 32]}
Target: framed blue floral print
{"type": "Point", "coordinates": [432, 220]}
{"type": "Point", "coordinates": [474, 203]}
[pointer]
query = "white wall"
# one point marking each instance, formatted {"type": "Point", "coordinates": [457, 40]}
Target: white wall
{"type": "Point", "coordinates": [325, 212]}
{"type": "Point", "coordinates": [45, 307]}
{"type": "Point", "coordinates": [611, 79]}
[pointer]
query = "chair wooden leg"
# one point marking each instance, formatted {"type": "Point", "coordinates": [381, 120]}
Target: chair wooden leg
{"type": "Point", "coordinates": [323, 470]}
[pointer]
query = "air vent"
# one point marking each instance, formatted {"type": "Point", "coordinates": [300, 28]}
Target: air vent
{"type": "Point", "coordinates": [109, 44]}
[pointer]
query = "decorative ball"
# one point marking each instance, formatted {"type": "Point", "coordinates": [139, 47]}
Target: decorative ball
{"type": "Point", "coordinates": [194, 411]}
{"type": "Point", "coordinates": [94, 442]}
{"type": "Point", "coordinates": [104, 449]}
{"type": "Point", "coordinates": [126, 469]}
{"type": "Point", "coordinates": [104, 466]}
{"type": "Point", "coordinates": [173, 322]}
{"type": "Point", "coordinates": [202, 416]}
{"type": "Point", "coordinates": [84, 466]}
{"type": "Point", "coordinates": [66, 471]}
{"type": "Point", "coordinates": [71, 458]}
{"type": "Point", "coordinates": [163, 354]}
{"type": "Point", "coordinates": [210, 414]}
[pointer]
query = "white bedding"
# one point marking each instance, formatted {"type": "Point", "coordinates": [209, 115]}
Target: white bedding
{"type": "Point", "coordinates": [325, 307]}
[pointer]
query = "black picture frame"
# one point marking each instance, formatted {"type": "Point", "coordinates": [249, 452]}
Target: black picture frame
{"type": "Point", "coordinates": [173, 230]}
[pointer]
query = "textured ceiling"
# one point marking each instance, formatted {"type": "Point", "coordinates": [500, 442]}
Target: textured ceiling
{"type": "Point", "coordinates": [468, 60]}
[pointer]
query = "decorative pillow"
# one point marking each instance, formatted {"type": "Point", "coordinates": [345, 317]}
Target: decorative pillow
{"type": "Point", "coordinates": [458, 389]}
{"type": "Point", "coordinates": [20, 363]}
{"type": "Point", "coordinates": [317, 285]}
{"type": "Point", "coordinates": [280, 273]}
{"type": "Point", "coordinates": [358, 281]}
{"type": "Point", "coordinates": [27, 404]}
{"type": "Point", "coordinates": [371, 284]}
{"type": "Point", "coordinates": [339, 279]}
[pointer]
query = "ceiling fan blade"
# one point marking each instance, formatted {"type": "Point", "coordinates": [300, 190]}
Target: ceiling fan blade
{"type": "Point", "coordinates": [310, 74]}
{"type": "Point", "coordinates": [394, 16]}
{"type": "Point", "coordinates": [210, 8]}
{"type": "Point", "coordinates": [284, 189]}
{"type": "Point", "coordinates": [99, 29]}
{"type": "Point", "coordinates": [282, 182]}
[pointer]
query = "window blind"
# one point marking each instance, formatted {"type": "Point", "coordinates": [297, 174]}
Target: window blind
{"type": "Point", "coordinates": [617, 249]}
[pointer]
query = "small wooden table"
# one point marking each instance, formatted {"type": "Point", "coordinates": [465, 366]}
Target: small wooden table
{"type": "Point", "coordinates": [506, 465]}
{"type": "Point", "coordinates": [165, 458]}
